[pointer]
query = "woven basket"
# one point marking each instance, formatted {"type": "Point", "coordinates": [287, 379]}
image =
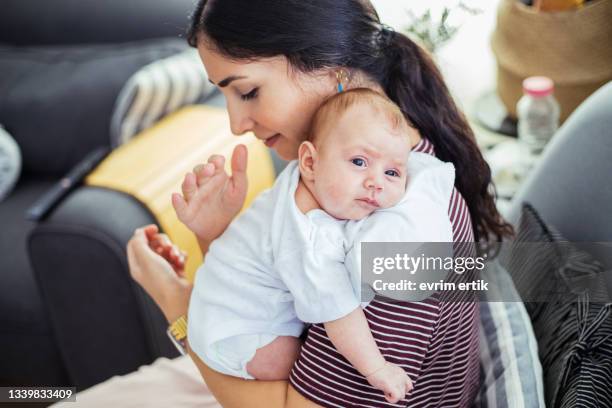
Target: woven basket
{"type": "Point", "coordinates": [573, 48]}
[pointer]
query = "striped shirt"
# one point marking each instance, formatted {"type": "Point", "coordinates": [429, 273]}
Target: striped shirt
{"type": "Point", "coordinates": [436, 341]}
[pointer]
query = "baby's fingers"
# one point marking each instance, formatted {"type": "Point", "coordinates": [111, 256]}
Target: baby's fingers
{"type": "Point", "coordinates": [393, 396]}
{"type": "Point", "coordinates": [203, 172]}
{"type": "Point", "coordinates": [189, 186]}
{"type": "Point", "coordinates": [210, 190]}
{"type": "Point", "coordinates": [180, 207]}
{"type": "Point", "coordinates": [218, 161]}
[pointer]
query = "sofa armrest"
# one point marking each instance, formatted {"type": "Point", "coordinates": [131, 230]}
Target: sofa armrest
{"type": "Point", "coordinates": [105, 324]}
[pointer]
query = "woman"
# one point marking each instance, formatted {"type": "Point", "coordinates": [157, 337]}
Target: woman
{"type": "Point", "coordinates": [275, 62]}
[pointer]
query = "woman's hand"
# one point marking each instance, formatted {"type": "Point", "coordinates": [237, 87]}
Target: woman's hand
{"type": "Point", "coordinates": [156, 275]}
{"type": "Point", "coordinates": [211, 198]}
{"type": "Point", "coordinates": [161, 244]}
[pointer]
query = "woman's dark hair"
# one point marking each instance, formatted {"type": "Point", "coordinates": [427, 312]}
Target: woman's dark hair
{"type": "Point", "coordinates": [347, 33]}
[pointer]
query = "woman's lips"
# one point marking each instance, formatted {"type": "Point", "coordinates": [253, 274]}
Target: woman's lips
{"type": "Point", "coordinates": [271, 140]}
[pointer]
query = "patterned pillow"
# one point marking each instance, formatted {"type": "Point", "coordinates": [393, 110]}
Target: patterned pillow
{"type": "Point", "coordinates": [156, 90]}
{"type": "Point", "coordinates": [511, 373]}
{"type": "Point", "coordinates": [10, 163]}
{"type": "Point", "coordinates": [565, 294]}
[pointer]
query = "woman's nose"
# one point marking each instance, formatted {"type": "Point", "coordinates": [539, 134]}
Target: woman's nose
{"type": "Point", "coordinates": [240, 120]}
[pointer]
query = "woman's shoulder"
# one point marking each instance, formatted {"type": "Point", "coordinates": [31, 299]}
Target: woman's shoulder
{"type": "Point", "coordinates": [424, 146]}
{"type": "Point", "coordinates": [458, 211]}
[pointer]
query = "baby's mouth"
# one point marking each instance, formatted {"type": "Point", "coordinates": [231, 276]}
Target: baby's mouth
{"type": "Point", "coordinates": [370, 201]}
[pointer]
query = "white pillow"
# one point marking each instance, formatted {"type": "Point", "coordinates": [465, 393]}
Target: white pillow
{"type": "Point", "coordinates": [10, 163]}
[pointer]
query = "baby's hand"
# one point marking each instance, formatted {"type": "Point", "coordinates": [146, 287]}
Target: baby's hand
{"type": "Point", "coordinates": [211, 198]}
{"type": "Point", "coordinates": [161, 245]}
{"type": "Point", "coordinates": [392, 380]}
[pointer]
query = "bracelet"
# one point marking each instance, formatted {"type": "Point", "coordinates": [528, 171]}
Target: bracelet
{"type": "Point", "coordinates": [177, 332]}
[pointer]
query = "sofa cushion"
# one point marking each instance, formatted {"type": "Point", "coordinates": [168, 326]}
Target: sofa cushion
{"type": "Point", "coordinates": [57, 101]}
{"type": "Point", "coordinates": [157, 90]}
{"type": "Point", "coordinates": [511, 373]}
{"type": "Point", "coordinates": [10, 163]}
{"type": "Point", "coordinates": [567, 301]}
{"type": "Point", "coordinates": [80, 22]}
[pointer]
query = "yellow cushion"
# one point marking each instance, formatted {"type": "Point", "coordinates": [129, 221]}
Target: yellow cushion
{"type": "Point", "coordinates": [153, 165]}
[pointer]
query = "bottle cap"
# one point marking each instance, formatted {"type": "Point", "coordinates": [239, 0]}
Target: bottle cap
{"type": "Point", "coordinates": [538, 86]}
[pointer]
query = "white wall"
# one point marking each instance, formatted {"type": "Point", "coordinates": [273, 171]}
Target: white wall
{"type": "Point", "coordinates": [466, 61]}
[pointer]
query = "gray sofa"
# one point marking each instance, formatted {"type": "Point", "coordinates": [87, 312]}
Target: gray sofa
{"type": "Point", "coordinates": [571, 188]}
{"type": "Point", "coordinates": [63, 63]}
{"type": "Point", "coordinates": [564, 236]}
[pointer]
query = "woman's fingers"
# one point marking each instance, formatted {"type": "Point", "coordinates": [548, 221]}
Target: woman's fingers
{"type": "Point", "coordinates": [150, 230]}
{"type": "Point", "coordinates": [140, 236]}
{"type": "Point", "coordinates": [135, 247]}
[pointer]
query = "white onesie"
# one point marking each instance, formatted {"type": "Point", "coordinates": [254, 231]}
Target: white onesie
{"type": "Point", "coordinates": [275, 267]}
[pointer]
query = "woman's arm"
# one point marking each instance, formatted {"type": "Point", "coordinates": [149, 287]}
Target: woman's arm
{"type": "Point", "coordinates": [233, 392]}
{"type": "Point", "coordinates": [171, 293]}
{"type": "Point", "coordinates": [239, 393]}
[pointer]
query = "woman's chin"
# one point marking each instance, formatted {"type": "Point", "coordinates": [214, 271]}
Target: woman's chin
{"type": "Point", "coordinates": [285, 152]}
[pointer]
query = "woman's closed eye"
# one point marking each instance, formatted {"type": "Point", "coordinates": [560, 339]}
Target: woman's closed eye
{"type": "Point", "coordinates": [250, 95]}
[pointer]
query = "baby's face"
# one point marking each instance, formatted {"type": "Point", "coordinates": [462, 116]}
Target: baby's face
{"type": "Point", "coordinates": [361, 165]}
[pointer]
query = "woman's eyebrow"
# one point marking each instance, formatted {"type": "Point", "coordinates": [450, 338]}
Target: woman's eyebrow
{"type": "Point", "coordinates": [225, 82]}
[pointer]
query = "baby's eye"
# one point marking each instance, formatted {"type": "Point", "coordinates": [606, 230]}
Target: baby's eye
{"type": "Point", "coordinates": [392, 173]}
{"type": "Point", "coordinates": [250, 95]}
{"type": "Point", "coordinates": [358, 161]}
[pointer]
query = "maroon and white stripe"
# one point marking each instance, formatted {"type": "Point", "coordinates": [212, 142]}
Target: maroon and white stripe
{"type": "Point", "coordinates": [435, 341]}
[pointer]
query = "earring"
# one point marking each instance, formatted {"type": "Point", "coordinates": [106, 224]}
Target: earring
{"type": "Point", "coordinates": [341, 76]}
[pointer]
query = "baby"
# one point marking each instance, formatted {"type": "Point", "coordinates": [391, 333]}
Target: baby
{"type": "Point", "coordinates": [293, 256]}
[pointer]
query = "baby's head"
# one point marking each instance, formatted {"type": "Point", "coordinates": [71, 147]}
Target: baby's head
{"type": "Point", "coordinates": [355, 159]}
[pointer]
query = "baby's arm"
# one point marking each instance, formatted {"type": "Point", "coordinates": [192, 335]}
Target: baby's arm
{"type": "Point", "coordinates": [323, 292]}
{"type": "Point", "coordinates": [352, 338]}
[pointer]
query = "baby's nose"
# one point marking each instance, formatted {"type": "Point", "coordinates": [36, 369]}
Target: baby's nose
{"type": "Point", "coordinates": [374, 183]}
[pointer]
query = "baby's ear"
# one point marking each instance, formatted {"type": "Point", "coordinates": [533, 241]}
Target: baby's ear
{"type": "Point", "coordinates": [307, 158]}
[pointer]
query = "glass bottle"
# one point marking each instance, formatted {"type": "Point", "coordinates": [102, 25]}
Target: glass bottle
{"type": "Point", "coordinates": [538, 114]}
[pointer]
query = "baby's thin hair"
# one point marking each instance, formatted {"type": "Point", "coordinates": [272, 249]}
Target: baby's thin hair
{"type": "Point", "coordinates": [336, 105]}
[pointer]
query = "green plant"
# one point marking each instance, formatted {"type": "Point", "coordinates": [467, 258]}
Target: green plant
{"type": "Point", "coordinates": [431, 33]}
